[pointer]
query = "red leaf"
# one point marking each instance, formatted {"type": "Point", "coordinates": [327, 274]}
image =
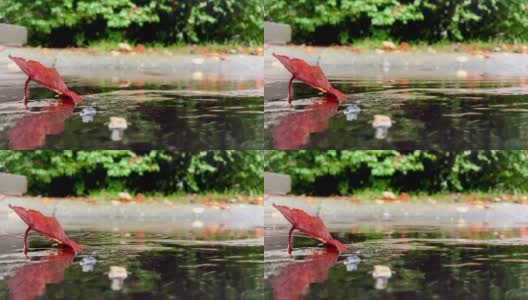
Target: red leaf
{"type": "Point", "coordinates": [311, 75]}
{"type": "Point", "coordinates": [47, 77]}
{"type": "Point", "coordinates": [30, 280]}
{"type": "Point", "coordinates": [310, 225]}
{"type": "Point", "coordinates": [294, 130]}
{"type": "Point", "coordinates": [31, 130]}
{"type": "Point", "coordinates": [46, 226]}
{"type": "Point", "coordinates": [293, 280]}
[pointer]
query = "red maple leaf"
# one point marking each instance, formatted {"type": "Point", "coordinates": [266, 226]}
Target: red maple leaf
{"type": "Point", "coordinates": [29, 281]}
{"type": "Point", "coordinates": [47, 77]}
{"type": "Point", "coordinates": [46, 226]}
{"type": "Point", "coordinates": [31, 130]}
{"type": "Point", "coordinates": [310, 225]}
{"type": "Point", "coordinates": [293, 280]}
{"type": "Point", "coordinates": [294, 129]}
{"type": "Point", "coordinates": [311, 75]}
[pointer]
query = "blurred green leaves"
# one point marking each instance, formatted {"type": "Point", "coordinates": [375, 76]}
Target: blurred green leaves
{"type": "Point", "coordinates": [320, 21]}
{"type": "Point", "coordinates": [79, 172]}
{"type": "Point", "coordinates": [342, 172]}
{"type": "Point", "coordinates": [78, 22]}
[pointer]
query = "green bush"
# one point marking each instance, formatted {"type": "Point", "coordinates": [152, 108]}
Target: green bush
{"type": "Point", "coordinates": [325, 22]}
{"type": "Point", "coordinates": [342, 172]}
{"type": "Point", "coordinates": [79, 22]}
{"type": "Point", "coordinates": [68, 172]}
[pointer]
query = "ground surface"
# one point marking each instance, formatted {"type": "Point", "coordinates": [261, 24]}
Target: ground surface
{"type": "Point", "coordinates": [339, 214]}
{"type": "Point", "coordinates": [150, 217]}
{"type": "Point", "coordinates": [344, 63]}
{"type": "Point", "coordinates": [136, 66]}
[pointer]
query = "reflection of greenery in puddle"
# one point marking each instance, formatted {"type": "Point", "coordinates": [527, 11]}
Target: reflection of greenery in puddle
{"type": "Point", "coordinates": [156, 270]}
{"type": "Point", "coordinates": [426, 267]}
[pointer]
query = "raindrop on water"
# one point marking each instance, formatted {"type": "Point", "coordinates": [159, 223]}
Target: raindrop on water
{"type": "Point", "coordinates": [352, 263]}
{"type": "Point", "coordinates": [381, 274]}
{"type": "Point", "coordinates": [88, 114]}
{"type": "Point", "coordinates": [118, 126]}
{"type": "Point", "coordinates": [117, 275]}
{"type": "Point", "coordinates": [87, 263]}
{"type": "Point", "coordinates": [351, 112]}
{"type": "Point", "coordinates": [382, 124]}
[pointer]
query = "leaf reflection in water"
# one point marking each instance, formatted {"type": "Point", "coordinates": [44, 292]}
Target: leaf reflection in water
{"type": "Point", "coordinates": [294, 130]}
{"type": "Point", "coordinates": [293, 279]}
{"type": "Point", "coordinates": [30, 280]}
{"type": "Point", "coordinates": [31, 130]}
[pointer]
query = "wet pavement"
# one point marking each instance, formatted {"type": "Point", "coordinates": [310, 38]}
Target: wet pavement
{"type": "Point", "coordinates": [423, 213]}
{"type": "Point", "coordinates": [182, 102]}
{"type": "Point", "coordinates": [198, 264]}
{"type": "Point", "coordinates": [148, 217]}
{"type": "Point", "coordinates": [394, 253]}
{"type": "Point", "coordinates": [133, 67]}
{"type": "Point", "coordinates": [422, 263]}
{"type": "Point", "coordinates": [342, 63]}
{"type": "Point", "coordinates": [158, 250]}
{"type": "Point", "coordinates": [429, 101]}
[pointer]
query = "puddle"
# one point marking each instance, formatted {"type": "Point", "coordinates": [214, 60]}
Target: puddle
{"type": "Point", "coordinates": [480, 112]}
{"type": "Point", "coordinates": [187, 115]}
{"type": "Point", "coordinates": [182, 265]}
{"type": "Point", "coordinates": [476, 262]}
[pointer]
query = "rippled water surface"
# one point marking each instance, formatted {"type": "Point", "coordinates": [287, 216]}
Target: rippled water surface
{"type": "Point", "coordinates": [193, 114]}
{"type": "Point", "coordinates": [209, 265]}
{"type": "Point", "coordinates": [480, 112]}
{"type": "Point", "coordinates": [468, 262]}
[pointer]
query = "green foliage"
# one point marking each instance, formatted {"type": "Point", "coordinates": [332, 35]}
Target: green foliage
{"type": "Point", "coordinates": [78, 22]}
{"type": "Point", "coordinates": [341, 172]}
{"type": "Point", "coordinates": [345, 20]}
{"type": "Point", "coordinates": [79, 172]}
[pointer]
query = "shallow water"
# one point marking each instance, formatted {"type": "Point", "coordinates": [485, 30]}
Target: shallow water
{"type": "Point", "coordinates": [473, 262]}
{"type": "Point", "coordinates": [475, 112]}
{"type": "Point", "coordinates": [193, 114]}
{"type": "Point", "coordinates": [159, 266]}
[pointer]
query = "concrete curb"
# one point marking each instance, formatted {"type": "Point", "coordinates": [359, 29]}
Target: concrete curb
{"type": "Point", "coordinates": [342, 63]}
{"type": "Point", "coordinates": [13, 35]}
{"type": "Point", "coordinates": [341, 213]}
{"type": "Point", "coordinates": [137, 66]}
{"type": "Point", "coordinates": [11, 184]}
{"type": "Point", "coordinates": [146, 216]}
{"type": "Point", "coordinates": [277, 33]}
{"type": "Point", "coordinates": [275, 183]}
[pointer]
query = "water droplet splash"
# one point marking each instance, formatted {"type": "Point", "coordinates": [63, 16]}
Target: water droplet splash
{"type": "Point", "coordinates": [381, 274]}
{"type": "Point", "coordinates": [117, 275]}
{"type": "Point", "coordinates": [352, 112]}
{"type": "Point", "coordinates": [87, 114]}
{"type": "Point", "coordinates": [352, 262]}
{"type": "Point", "coordinates": [88, 263]}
